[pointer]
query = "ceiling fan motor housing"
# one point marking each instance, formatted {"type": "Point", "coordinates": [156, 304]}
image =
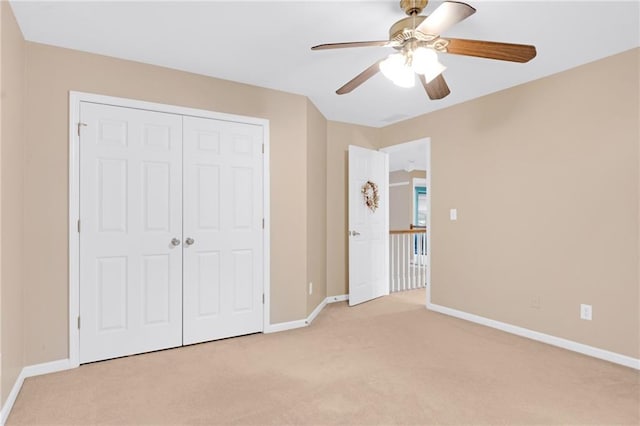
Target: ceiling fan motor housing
{"type": "Point", "coordinates": [404, 28]}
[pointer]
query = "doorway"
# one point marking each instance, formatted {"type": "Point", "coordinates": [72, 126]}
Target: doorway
{"type": "Point", "coordinates": [410, 215]}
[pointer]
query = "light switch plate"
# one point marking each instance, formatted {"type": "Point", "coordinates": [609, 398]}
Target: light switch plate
{"type": "Point", "coordinates": [586, 312]}
{"type": "Point", "coordinates": [453, 214]}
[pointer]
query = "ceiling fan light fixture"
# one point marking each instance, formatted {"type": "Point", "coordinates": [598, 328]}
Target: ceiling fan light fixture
{"type": "Point", "coordinates": [396, 69]}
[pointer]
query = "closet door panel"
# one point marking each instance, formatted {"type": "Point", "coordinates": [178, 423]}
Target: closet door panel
{"type": "Point", "coordinates": [223, 192]}
{"type": "Point", "coordinates": [130, 210]}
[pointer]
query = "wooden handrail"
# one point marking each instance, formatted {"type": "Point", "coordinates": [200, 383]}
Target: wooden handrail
{"type": "Point", "coordinates": [408, 231]}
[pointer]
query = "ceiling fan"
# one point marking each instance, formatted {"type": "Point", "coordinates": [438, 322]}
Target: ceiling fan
{"type": "Point", "coordinates": [417, 41]}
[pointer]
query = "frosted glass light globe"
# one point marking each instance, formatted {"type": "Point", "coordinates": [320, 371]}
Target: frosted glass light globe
{"type": "Point", "coordinates": [395, 68]}
{"type": "Point", "coordinates": [425, 61]}
{"type": "Point", "coordinates": [422, 59]}
{"type": "Point", "coordinates": [392, 65]}
{"type": "Point", "coordinates": [405, 77]}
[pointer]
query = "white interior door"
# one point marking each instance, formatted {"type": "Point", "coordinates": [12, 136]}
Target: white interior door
{"type": "Point", "coordinates": [368, 230]}
{"type": "Point", "coordinates": [130, 212]}
{"type": "Point", "coordinates": [223, 229]}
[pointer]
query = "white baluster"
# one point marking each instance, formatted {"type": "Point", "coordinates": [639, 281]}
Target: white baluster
{"type": "Point", "coordinates": [393, 263]}
{"type": "Point", "coordinates": [412, 266]}
{"type": "Point", "coordinates": [421, 260]}
{"type": "Point", "coordinates": [424, 260]}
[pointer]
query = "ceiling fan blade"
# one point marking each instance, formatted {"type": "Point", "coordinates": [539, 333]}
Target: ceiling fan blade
{"type": "Point", "coordinates": [436, 88]}
{"type": "Point", "coordinates": [360, 78]}
{"type": "Point", "coordinates": [444, 17]}
{"type": "Point", "coordinates": [381, 43]}
{"type": "Point", "coordinates": [491, 50]}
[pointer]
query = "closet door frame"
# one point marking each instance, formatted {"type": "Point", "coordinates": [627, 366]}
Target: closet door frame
{"type": "Point", "coordinates": [75, 126]}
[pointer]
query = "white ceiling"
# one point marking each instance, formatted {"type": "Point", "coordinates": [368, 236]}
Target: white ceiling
{"type": "Point", "coordinates": [266, 43]}
{"type": "Point", "coordinates": [413, 154]}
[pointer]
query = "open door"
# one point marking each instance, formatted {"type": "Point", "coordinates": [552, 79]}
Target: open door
{"type": "Point", "coordinates": [368, 224]}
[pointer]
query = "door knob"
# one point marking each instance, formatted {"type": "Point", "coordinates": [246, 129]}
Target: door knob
{"type": "Point", "coordinates": [354, 233]}
{"type": "Point", "coordinates": [189, 241]}
{"type": "Point", "coordinates": [175, 242]}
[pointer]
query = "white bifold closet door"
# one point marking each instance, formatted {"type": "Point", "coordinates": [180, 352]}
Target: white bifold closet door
{"type": "Point", "coordinates": [222, 229]}
{"type": "Point", "coordinates": [130, 211]}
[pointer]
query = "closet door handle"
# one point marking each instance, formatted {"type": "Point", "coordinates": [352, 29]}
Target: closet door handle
{"type": "Point", "coordinates": [175, 242]}
{"type": "Point", "coordinates": [189, 241]}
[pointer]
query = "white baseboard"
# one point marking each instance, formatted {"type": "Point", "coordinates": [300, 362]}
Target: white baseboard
{"type": "Point", "coordinates": [290, 325]}
{"type": "Point", "coordinates": [47, 367]}
{"type": "Point", "coordinates": [603, 354]}
{"type": "Point", "coordinates": [316, 311]}
{"type": "Point", "coordinates": [30, 371]}
{"type": "Point", "coordinates": [11, 399]}
{"type": "Point", "coordinates": [339, 298]}
{"type": "Point", "coordinates": [284, 326]}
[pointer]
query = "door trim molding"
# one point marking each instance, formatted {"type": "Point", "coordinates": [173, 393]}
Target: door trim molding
{"type": "Point", "coordinates": [75, 98]}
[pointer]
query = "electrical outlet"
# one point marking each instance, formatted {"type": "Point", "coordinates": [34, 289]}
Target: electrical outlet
{"type": "Point", "coordinates": [585, 312]}
{"type": "Point", "coordinates": [453, 214]}
{"type": "Point", "coordinates": [310, 288]}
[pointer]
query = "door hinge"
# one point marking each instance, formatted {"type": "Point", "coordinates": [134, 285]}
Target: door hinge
{"type": "Point", "coordinates": [263, 148]}
{"type": "Point", "coordinates": [80, 125]}
{"type": "Point", "coordinates": [78, 225]}
{"type": "Point", "coordinates": [263, 298]}
{"type": "Point", "coordinates": [78, 322]}
{"type": "Point", "coordinates": [262, 223]}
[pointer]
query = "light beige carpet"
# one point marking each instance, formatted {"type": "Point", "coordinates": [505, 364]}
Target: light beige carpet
{"type": "Point", "coordinates": [389, 361]}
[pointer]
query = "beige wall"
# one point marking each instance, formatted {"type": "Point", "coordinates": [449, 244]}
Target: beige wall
{"type": "Point", "coordinates": [401, 198]}
{"type": "Point", "coordinates": [316, 206]}
{"type": "Point", "coordinates": [51, 73]}
{"type": "Point", "coordinates": [339, 137]}
{"type": "Point", "coordinates": [12, 186]}
{"type": "Point", "coordinates": [545, 180]}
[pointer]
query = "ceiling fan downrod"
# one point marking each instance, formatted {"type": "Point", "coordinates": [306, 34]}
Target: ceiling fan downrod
{"type": "Point", "coordinates": [413, 7]}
